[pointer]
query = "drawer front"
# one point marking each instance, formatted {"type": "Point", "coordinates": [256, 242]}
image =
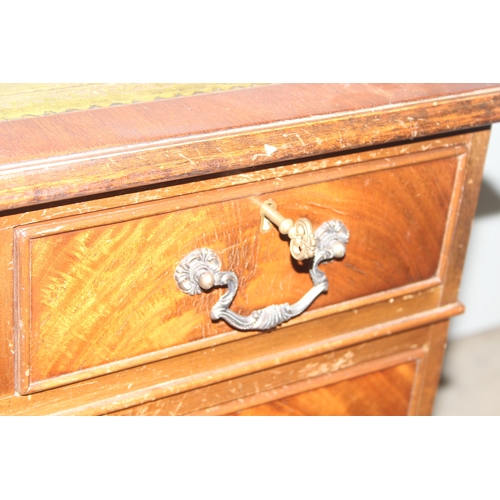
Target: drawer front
{"type": "Point", "coordinates": [96, 293]}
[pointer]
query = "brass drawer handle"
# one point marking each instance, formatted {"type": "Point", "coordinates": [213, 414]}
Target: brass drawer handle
{"type": "Point", "coordinates": [200, 270]}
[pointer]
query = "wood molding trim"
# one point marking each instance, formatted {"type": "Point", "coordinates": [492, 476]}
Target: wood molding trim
{"type": "Point", "coordinates": [416, 355]}
{"type": "Point", "coordinates": [154, 381]}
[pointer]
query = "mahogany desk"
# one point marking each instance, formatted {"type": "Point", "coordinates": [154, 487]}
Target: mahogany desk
{"type": "Point", "coordinates": [111, 217]}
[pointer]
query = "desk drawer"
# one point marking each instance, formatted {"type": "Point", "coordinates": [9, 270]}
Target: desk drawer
{"type": "Point", "coordinates": [95, 293]}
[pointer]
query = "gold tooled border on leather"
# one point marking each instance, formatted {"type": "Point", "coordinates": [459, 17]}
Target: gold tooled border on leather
{"type": "Point", "coordinates": [26, 100]}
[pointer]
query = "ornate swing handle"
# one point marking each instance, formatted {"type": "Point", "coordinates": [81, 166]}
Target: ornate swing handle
{"type": "Point", "coordinates": [200, 270]}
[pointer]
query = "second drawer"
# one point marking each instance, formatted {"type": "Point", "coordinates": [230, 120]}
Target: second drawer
{"type": "Point", "coordinates": [96, 293]}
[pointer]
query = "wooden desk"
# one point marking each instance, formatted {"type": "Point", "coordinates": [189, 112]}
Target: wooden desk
{"type": "Point", "coordinates": [101, 211]}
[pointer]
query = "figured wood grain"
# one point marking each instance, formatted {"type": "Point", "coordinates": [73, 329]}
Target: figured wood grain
{"type": "Point", "coordinates": [208, 135]}
{"type": "Point", "coordinates": [100, 300]}
{"type": "Point", "coordinates": [383, 393]}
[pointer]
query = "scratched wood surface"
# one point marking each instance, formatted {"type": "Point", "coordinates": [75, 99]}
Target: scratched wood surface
{"type": "Point", "coordinates": [301, 171]}
{"type": "Point", "coordinates": [67, 133]}
{"type": "Point", "coordinates": [467, 209]}
{"type": "Point", "coordinates": [275, 384]}
{"type": "Point", "coordinates": [404, 389]}
{"type": "Point", "coordinates": [210, 381]}
{"type": "Point", "coordinates": [89, 297]}
{"type": "Point", "coordinates": [79, 154]}
{"type": "Point", "coordinates": [383, 393]}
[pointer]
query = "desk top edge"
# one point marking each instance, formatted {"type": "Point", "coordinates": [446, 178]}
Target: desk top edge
{"type": "Point", "coordinates": [351, 115]}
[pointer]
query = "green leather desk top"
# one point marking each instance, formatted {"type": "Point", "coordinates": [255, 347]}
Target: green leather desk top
{"type": "Point", "coordinates": [25, 100]}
